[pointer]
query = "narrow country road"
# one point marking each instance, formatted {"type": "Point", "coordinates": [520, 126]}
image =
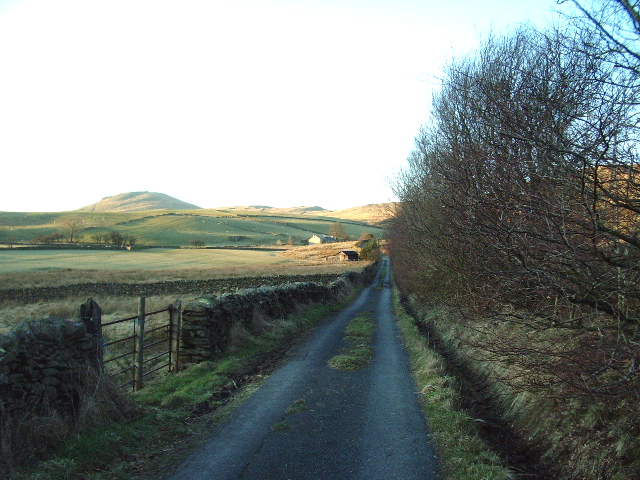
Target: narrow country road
{"type": "Point", "coordinates": [365, 424]}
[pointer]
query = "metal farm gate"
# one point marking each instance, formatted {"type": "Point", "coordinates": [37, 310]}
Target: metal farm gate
{"type": "Point", "coordinates": [135, 347]}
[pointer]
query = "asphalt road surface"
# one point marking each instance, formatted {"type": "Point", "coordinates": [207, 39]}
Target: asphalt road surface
{"type": "Point", "coordinates": [365, 424]}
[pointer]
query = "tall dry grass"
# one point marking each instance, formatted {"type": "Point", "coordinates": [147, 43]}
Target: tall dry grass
{"type": "Point", "coordinates": [580, 433]}
{"type": "Point", "coordinates": [55, 278]}
{"type": "Point", "coordinates": [113, 308]}
{"type": "Point", "coordinates": [26, 436]}
{"type": "Point", "coordinates": [461, 450]}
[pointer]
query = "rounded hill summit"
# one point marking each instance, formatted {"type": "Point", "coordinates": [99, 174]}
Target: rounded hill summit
{"type": "Point", "coordinates": [138, 201]}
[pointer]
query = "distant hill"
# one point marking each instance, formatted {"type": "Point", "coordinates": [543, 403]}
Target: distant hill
{"type": "Point", "coordinates": [276, 210]}
{"type": "Point", "coordinates": [160, 225]}
{"type": "Point", "coordinates": [373, 213]}
{"type": "Point", "coordinates": [145, 201]}
{"type": "Point", "coordinates": [137, 202]}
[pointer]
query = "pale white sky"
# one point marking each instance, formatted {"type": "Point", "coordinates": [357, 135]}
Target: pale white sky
{"type": "Point", "coordinates": [223, 102]}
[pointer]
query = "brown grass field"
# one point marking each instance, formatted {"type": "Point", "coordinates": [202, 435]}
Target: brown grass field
{"type": "Point", "coordinates": [30, 268]}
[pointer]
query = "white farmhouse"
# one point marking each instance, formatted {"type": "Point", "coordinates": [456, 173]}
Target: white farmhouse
{"type": "Point", "coordinates": [318, 239]}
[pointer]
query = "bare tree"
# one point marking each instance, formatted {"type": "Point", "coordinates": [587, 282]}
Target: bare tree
{"type": "Point", "coordinates": [8, 239]}
{"type": "Point", "coordinates": [116, 238]}
{"type": "Point", "coordinates": [72, 225]}
{"type": "Point", "coordinates": [521, 204]}
{"type": "Point", "coordinates": [337, 231]}
{"type": "Point", "coordinates": [523, 191]}
{"type": "Point", "coordinates": [617, 26]}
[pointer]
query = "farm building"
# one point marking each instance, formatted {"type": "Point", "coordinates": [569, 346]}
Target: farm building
{"type": "Point", "coordinates": [348, 256]}
{"type": "Point", "coordinates": [318, 239]}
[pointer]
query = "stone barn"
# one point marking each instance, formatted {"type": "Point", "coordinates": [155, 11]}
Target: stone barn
{"type": "Point", "coordinates": [348, 256]}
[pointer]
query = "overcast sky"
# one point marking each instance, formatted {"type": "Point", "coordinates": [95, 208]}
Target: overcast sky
{"type": "Point", "coordinates": [222, 103]}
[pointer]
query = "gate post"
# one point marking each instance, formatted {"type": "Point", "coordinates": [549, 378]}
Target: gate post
{"type": "Point", "coordinates": [91, 315]}
{"type": "Point", "coordinates": [138, 353]}
{"type": "Point", "coordinates": [175, 315]}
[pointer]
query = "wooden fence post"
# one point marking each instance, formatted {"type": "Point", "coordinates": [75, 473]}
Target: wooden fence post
{"type": "Point", "coordinates": [91, 315]}
{"type": "Point", "coordinates": [175, 312]}
{"type": "Point", "coordinates": [139, 347]}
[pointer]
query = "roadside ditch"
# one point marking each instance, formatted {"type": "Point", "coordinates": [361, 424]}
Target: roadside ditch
{"type": "Point", "coordinates": [490, 417]}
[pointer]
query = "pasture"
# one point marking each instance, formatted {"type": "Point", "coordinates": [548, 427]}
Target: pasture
{"type": "Point", "coordinates": [175, 228]}
{"type": "Point", "coordinates": [26, 261]}
{"type": "Point", "coordinates": [22, 268]}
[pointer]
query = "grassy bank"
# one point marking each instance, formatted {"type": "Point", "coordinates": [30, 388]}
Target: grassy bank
{"type": "Point", "coordinates": [570, 431]}
{"type": "Point", "coordinates": [462, 453]}
{"type": "Point", "coordinates": [175, 414]}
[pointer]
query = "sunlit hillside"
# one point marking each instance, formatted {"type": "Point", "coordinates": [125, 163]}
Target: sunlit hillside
{"type": "Point", "coordinates": [207, 228]}
{"type": "Point", "coordinates": [156, 219]}
{"type": "Point", "coordinates": [137, 202]}
{"type": "Point", "coordinates": [375, 213]}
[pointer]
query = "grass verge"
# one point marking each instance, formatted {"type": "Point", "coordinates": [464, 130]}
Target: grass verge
{"type": "Point", "coordinates": [461, 451]}
{"type": "Point", "coordinates": [359, 334]}
{"type": "Point", "coordinates": [297, 407]}
{"type": "Point", "coordinates": [176, 413]}
{"type": "Point", "coordinates": [280, 427]}
{"type": "Point", "coordinates": [530, 378]}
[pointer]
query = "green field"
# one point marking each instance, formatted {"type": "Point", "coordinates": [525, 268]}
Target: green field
{"type": "Point", "coordinates": [176, 228]}
{"type": "Point", "coordinates": [24, 261]}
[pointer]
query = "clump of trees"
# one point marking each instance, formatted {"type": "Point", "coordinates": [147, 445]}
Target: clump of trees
{"type": "Point", "coordinates": [115, 238]}
{"type": "Point", "coordinates": [237, 238]}
{"type": "Point", "coordinates": [521, 200]}
{"type": "Point", "coordinates": [291, 241]}
{"type": "Point", "coordinates": [369, 247]}
{"type": "Point", "coordinates": [364, 238]}
{"type": "Point", "coordinates": [71, 227]}
{"type": "Point", "coordinates": [48, 239]}
{"type": "Point", "coordinates": [337, 231]}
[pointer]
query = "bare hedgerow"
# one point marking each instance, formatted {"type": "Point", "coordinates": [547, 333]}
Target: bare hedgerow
{"type": "Point", "coordinates": [520, 208]}
{"type": "Point", "coordinates": [516, 195]}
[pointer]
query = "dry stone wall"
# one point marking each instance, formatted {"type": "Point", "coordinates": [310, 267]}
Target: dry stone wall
{"type": "Point", "coordinates": [174, 287]}
{"type": "Point", "coordinates": [208, 322]}
{"type": "Point", "coordinates": [43, 364]}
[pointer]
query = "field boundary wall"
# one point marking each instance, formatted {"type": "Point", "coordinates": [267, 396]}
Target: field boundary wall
{"type": "Point", "coordinates": [208, 322]}
{"type": "Point", "coordinates": [44, 363]}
